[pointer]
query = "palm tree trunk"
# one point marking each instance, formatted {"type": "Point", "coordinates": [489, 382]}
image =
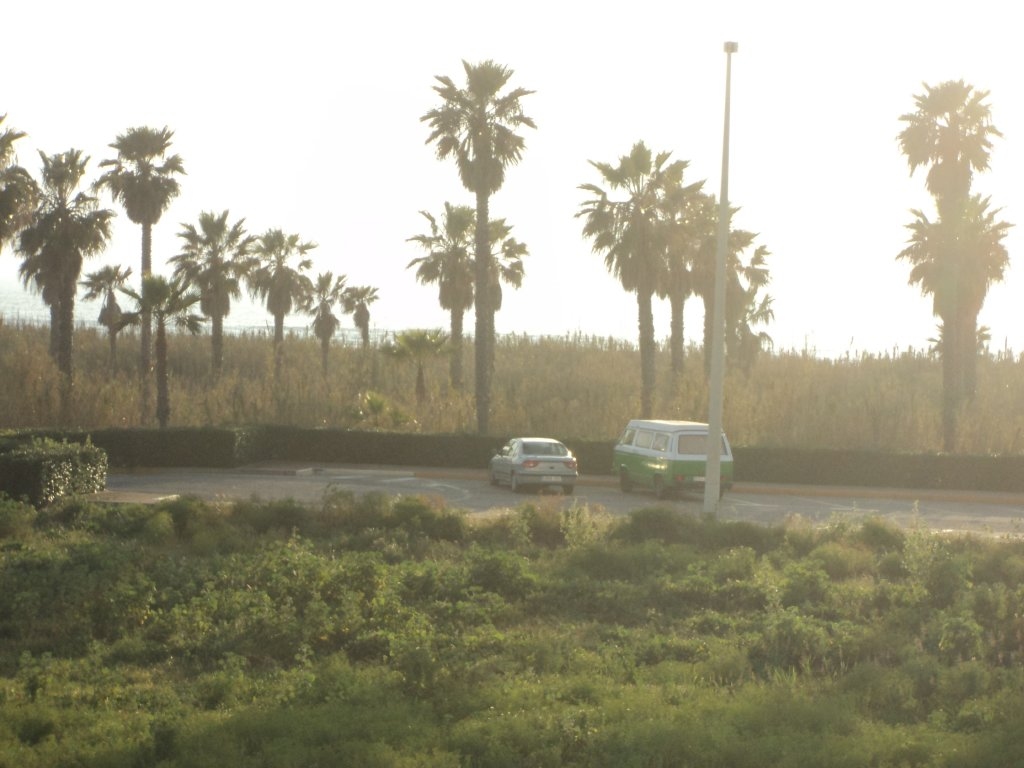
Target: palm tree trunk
{"type": "Point", "coordinates": [163, 393]}
{"type": "Point", "coordinates": [146, 327]}
{"type": "Point", "coordinates": [645, 319]}
{"type": "Point", "coordinates": [455, 365]}
{"type": "Point", "coordinates": [278, 343]}
{"type": "Point", "coordinates": [65, 353]}
{"type": "Point", "coordinates": [484, 363]}
{"type": "Point", "coordinates": [55, 330]}
{"type": "Point", "coordinates": [325, 345]}
{"type": "Point", "coordinates": [112, 338]}
{"type": "Point", "coordinates": [217, 342]}
{"type": "Point", "coordinates": [676, 304]}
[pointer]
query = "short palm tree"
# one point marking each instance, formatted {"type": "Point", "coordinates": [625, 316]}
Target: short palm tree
{"type": "Point", "coordinates": [214, 260]}
{"type": "Point", "coordinates": [18, 190]}
{"type": "Point", "coordinates": [105, 283]}
{"type": "Point", "coordinates": [327, 291]}
{"type": "Point", "coordinates": [476, 126]}
{"type": "Point", "coordinates": [957, 257]}
{"type": "Point", "coordinates": [743, 281]}
{"type": "Point", "coordinates": [418, 345]}
{"type": "Point", "coordinates": [633, 232]}
{"type": "Point", "coordinates": [143, 179]}
{"type": "Point", "coordinates": [506, 261]}
{"type": "Point", "coordinates": [449, 263]}
{"type": "Point", "coordinates": [273, 278]}
{"type": "Point", "coordinates": [356, 301]}
{"type": "Point", "coordinates": [68, 226]}
{"type": "Point", "coordinates": [168, 303]}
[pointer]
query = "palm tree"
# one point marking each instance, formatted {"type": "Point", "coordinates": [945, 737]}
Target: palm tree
{"type": "Point", "coordinates": [476, 126]}
{"type": "Point", "coordinates": [449, 263]}
{"type": "Point", "coordinates": [688, 226]}
{"type": "Point", "coordinates": [67, 227]}
{"type": "Point", "coordinates": [168, 302]}
{"type": "Point", "coordinates": [418, 345]}
{"type": "Point", "coordinates": [950, 132]}
{"type": "Point", "coordinates": [273, 279]}
{"type": "Point", "coordinates": [955, 261]}
{"type": "Point", "coordinates": [18, 190]}
{"type": "Point", "coordinates": [633, 233]}
{"type": "Point", "coordinates": [104, 284]}
{"type": "Point", "coordinates": [356, 301]}
{"type": "Point", "coordinates": [506, 261]}
{"type": "Point", "coordinates": [327, 291]}
{"type": "Point", "coordinates": [214, 261]}
{"type": "Point", "coordinates": [743, 281]}
{"type": "Point", "coordinates": [142, 179]}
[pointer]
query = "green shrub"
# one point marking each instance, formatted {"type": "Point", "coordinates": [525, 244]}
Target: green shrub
{"type": "Point", "coordinates": [16, 518]}
{"type": "Point", "coordinates": [42, 470]}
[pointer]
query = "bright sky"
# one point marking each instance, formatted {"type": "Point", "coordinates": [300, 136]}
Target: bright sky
{"type": "Point", "coordinates": [304, 116]}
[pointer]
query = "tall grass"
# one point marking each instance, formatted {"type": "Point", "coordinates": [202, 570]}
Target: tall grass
{"type": "Point", "coordinates": [573, 386]}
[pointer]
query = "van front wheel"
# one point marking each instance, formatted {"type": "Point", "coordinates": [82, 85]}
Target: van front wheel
{"type": "Point", "coordinates": [660, 491]}
{"type": "Point", "coordinates": [625, 483]}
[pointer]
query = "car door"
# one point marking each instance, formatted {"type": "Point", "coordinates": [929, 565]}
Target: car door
{"type": "Point", "coordinates": [505, 461]}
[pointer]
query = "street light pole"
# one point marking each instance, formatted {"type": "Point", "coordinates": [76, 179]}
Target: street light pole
{"type": "Point", "coordinates": [713, 473]}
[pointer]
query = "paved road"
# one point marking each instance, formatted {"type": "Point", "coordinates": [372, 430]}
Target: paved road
{"type": "Point", "coordinates": [1000, 514]}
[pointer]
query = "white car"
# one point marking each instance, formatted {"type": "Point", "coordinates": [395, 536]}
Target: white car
{"type": "Point", "coordinates": [535, 462]}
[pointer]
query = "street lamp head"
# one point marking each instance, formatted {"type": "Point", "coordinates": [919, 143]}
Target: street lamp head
{"type": "Point", "coordinates": [732, 47]}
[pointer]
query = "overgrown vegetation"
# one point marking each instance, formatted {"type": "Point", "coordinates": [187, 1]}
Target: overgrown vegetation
{"type": "Point", "coordinates": [395, 632]}
{"type": "Point", "coordinates": [569, 387]}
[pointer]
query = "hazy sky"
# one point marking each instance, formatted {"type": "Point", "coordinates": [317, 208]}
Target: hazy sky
{"type": "Point", "coordinates": [304, 116]}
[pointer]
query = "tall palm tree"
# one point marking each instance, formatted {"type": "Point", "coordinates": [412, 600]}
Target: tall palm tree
{"type": "Point", "coordinates": [476, 126]}
{"type": "Point", "coordinates": [327, 291]}
{"type": "Point", "coordinates": [214, 261]}
{"type": "Point", "coordinates": [633, 234]}
{"type": "Point", "coordinates": [105, 283]}
{"type": "Point", "coordinates": [280, 285]}
{"type": "Point", "coordinates": [951, 134]}
{"type": "Point", "coordinates": [142, 179]}
{"type": "Point", "coordinates": [449, 263]}
{"type": "Point", "coordinates": [418, 345]}
{"type": "Point", "coordinates": [356, 301]}
{"type": "Point", "coordinates": [18, 190]}
{"type": "Point", "coordinates": [688, 226]}
{"type": "Point", "coordinates": [68, 227]}
{"type": "Point", "coordinates": [169, 303]}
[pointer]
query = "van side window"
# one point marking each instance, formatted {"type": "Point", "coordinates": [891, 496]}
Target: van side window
{"type": "Point", "coordinates": [692, 445]}
{"type": "Point", "coordinates": [661, 440]}
{"type": "Point", "coordinates": [627, 437]}
{"type": "Point", "coordinates": [644, 438]}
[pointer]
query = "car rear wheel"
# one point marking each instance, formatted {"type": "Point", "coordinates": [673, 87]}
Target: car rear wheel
{"type": "Point", "coordinates": [567, 490]}
{"type": "Point", "coordinates": [514, 482]}
{"type": "Point", "coordinates": [494, 478]}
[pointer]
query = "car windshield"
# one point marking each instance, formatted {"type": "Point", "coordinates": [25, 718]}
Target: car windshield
{"type": "Point", "coordinates": [545, 449]}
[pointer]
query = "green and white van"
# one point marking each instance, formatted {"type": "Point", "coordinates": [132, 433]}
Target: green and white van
{"type": "Point", "coordinates": [667, 456]}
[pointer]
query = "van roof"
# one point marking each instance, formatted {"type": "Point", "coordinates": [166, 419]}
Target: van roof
{"type": "Point", "coordinates": [667, 424]}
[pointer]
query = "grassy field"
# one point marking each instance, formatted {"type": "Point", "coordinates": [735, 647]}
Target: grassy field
{"type": "Point", "coordinates": [374, 631]}
{"type": "Point", "coordinates": [575, 386]}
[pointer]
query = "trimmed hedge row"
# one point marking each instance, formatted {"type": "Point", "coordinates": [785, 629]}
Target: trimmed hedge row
{"type": "Point", "coordinates": [231, 447]}
{"type": "Point", "coordinates": [40, 470]}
